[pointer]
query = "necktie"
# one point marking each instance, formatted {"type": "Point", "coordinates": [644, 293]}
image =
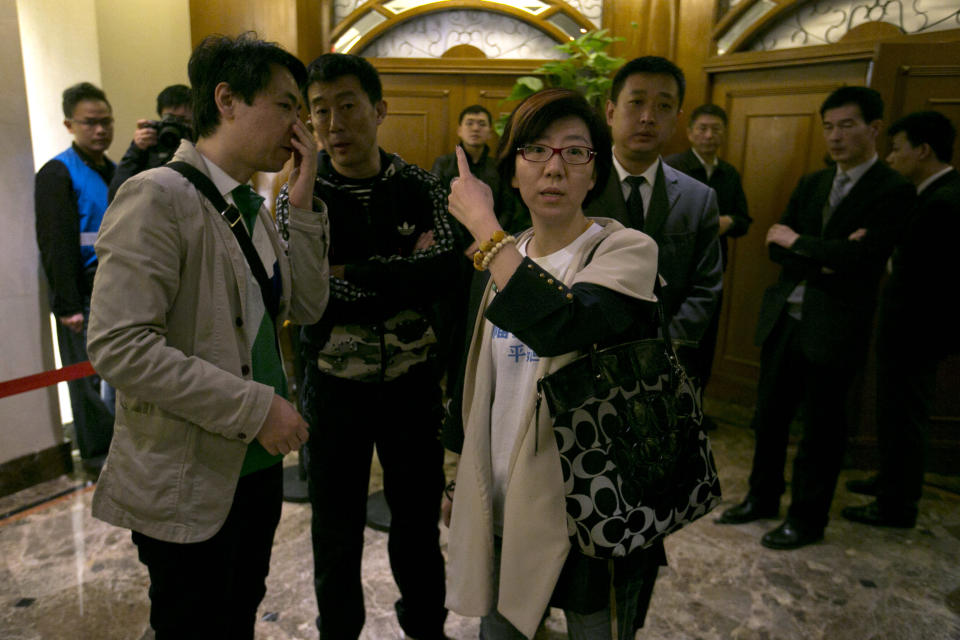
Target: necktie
{"type": "Point", "coordinates": [837, 193]}
{"type": "Point", "coordinates": [635, 202]}
{"type": "Point", "coordinates": [839, 189]}
{"type": "Point", "coordinates": [248, 203]}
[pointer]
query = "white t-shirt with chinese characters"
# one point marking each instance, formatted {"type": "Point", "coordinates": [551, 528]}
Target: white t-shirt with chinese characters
{"type": "Point", "coordinates": [515, 374]}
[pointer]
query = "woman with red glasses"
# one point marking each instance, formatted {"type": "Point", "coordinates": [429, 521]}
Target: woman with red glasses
{"type": "Point", "coordinates": [564, 284]}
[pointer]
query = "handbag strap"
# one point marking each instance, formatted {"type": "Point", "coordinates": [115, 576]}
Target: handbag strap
{"type": "Point", "coordinates": [231, 215]}
{"type": "Point", "coordinates": [661, 317]}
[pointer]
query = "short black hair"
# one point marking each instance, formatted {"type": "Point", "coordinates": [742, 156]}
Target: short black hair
{"type": "Point", "coordinates": [537, 112]}
{"type": "Point", "coordinates": [708, 110]}
{"type": "Point", "coordinates": [331, 66]}
{"type": "Point", "coordinates": [78, 93]}
{"type": "Point", "coordinates": [475, 108]}
{"type": "Point", "coordinates": [176, 95]}
{"type": "Point", "coordinates": [867, 100]}
{"type": "Point", "coordinates": [928, 127]}
{"type": "Point", "coordinates": [244, 63]}
{"type": "Point", "coordinates": [652, 65]}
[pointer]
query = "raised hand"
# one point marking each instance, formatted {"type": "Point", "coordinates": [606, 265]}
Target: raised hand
{"type": "Point", "coordinates": [304, 172]}
{"type": "Point", "coordinates": [471, 201]}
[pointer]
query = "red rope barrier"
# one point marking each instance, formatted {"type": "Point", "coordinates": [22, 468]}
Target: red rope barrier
{"type": "Point", "coordinates": [45, 379]}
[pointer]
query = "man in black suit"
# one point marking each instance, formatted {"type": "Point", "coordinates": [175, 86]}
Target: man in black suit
{"type": "Point", "coordinates": [706, 132]}
{"type": "Point", "coordinates": [645, 193]}
{"type": "Point", "coordinates": [832, 242]}
{"type": "Point", "coordinates": [678, 212]}
{"type": "Point", "coordinates": [924, 258]}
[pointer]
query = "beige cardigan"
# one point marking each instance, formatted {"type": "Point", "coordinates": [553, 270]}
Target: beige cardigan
{"type": "Point", "coordinates": [165, 315]}
{"type": "Point", "coordinates": [535, 537]}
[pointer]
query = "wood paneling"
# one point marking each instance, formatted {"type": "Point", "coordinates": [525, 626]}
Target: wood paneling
{"type": "Point", "coordinates": [914, 77]}
{"type": "Point", "coordinates": [422, 107]}
{"type": "Point", "coordinates": [414, 117]}
{"type": "Point", "coordinates": [275, 20]}
{"type": "Point", "coordinates": [299, 26]}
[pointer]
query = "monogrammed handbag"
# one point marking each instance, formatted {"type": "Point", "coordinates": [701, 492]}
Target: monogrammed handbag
{"type": "Point", "coordinates": [636, 464]}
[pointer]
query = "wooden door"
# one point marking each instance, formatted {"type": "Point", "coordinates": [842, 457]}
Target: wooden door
{"type": "Point", "coordinates": [415, 126]}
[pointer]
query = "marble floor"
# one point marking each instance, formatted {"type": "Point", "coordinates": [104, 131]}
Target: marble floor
{"type": "Point", "coordinates": [66, 575]}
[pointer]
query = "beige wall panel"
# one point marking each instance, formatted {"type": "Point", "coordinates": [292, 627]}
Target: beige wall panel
{"type": "Point", "coordinates": [144, 47]}
{"type": "Point", "coordinates": [29, 422]}
{"type": "Point", "coordinates": [60, 47]}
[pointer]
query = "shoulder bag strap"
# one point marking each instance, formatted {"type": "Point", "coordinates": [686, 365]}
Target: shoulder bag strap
{"type": "Point", "coordinates": [232, 217]}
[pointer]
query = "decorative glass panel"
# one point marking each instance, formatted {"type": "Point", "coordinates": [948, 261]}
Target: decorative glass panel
{"type": "Point", "coordinates": [497, 35]}
{"type": "Point", "coordinates": [826, 21]}
{"type": "Point", "coordinates": [592, 10]}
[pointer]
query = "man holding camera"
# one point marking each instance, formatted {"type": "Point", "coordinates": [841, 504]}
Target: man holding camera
{"type": "Point", "coordinates": [154, 141]}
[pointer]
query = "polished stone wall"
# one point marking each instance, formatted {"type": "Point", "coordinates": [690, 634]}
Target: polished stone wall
{"type": "Point", "coordinates": [29, 421]}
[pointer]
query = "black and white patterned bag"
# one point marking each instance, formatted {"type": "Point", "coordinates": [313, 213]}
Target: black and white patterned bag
{"type": "Point", "coordinates": [636, 464]}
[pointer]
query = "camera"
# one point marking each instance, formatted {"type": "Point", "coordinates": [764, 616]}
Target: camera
{"type": "Point", "coordinates": [169, 132]}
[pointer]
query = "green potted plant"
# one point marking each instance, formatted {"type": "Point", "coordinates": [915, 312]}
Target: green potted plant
{"type": "Point", "coordinates": [588, 68]}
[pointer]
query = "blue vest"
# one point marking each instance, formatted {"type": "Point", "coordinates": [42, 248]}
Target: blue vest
{"type": "Point", "coordinates": [91, 193]}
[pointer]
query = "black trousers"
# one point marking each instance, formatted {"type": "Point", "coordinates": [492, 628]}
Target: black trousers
{"type": "Point", "coordinates": [212, 589]}
{"type": "Point", "coordinates": [402, 419]}
{"type": "Point", "coordinates": [906, 378]}
{"type": "Point", "coordinates": [92, 419]}
{"type": "Point", "coordinates": [788, 379]}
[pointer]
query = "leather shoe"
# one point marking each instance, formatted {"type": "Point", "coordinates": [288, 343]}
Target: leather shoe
{"type": "Point", "coordinates": [867, 486]}
{"type": "Point", "coordinates": [752, 508]}
{"type": "Point", "coordinates": [789, 536]}
{"type": "Point", "coordinates": [873, 514]}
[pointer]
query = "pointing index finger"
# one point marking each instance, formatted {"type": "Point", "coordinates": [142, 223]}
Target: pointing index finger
{"type": "Point", "coordinates": [462, 165]}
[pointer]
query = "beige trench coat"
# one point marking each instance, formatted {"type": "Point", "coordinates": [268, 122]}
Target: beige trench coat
{"type": "Point", "coordinates": [535, 537]}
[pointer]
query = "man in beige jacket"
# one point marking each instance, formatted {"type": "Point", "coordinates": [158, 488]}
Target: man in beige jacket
{"type": "Point", "coordinates": [178, 325]}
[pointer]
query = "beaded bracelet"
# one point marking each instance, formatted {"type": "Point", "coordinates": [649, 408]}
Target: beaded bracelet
{"type": "Point", "coordinates": [485, 254]}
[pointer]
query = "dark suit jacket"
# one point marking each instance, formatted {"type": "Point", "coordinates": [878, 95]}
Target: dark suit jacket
{"type": "Point", "coordinates": [841, 275]}
{"type": "Point", "coordinates": [731, 199]}
{"type": "Point", "coordinates": [923, 261]}
{"type": "Point", "coordinates": [682, 219]}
